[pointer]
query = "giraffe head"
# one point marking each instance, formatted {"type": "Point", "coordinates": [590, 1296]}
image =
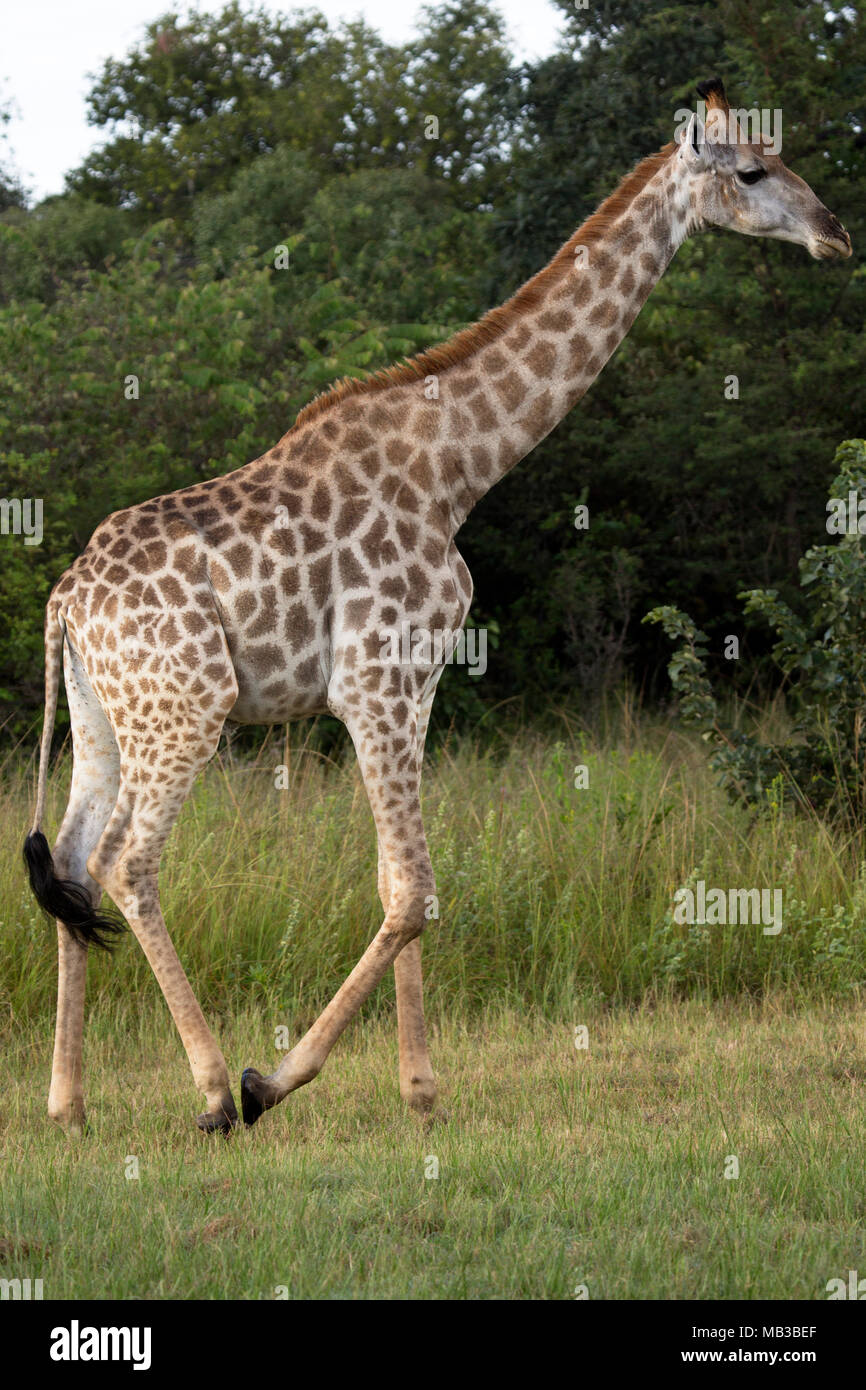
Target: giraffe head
{"type": "Point", "coordinates": [741, 183]}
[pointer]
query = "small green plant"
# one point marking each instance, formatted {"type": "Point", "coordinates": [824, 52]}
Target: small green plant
{"type": "Point", "coordinates": [823, 660]}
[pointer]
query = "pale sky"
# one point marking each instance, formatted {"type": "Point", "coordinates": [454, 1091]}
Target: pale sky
{"type": "Point", "coordinates": [49, 47]}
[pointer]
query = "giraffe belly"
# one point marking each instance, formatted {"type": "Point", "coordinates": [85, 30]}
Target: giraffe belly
{"type": "Point", "coordinates": [276, 684]}
{"type": "Point", "coordinates": [276, 700]}
{"type": "Point", "coordinates": [280, 652]}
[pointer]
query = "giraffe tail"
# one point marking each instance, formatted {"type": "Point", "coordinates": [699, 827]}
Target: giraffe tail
{"type": "Point", "coordinates": [67, 901]}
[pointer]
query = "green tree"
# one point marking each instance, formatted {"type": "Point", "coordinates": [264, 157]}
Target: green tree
{"type": "Point", "coordinates": [204, 96]}
{"type": "Point", "coordinates": [12, 191]}
{"type": "Point", "coordinates": [255, 130]}
{"type": "Point", "coordinates": [705, 494]}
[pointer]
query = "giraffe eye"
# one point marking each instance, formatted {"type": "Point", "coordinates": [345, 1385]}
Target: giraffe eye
{"type": "Point", "coordinates": [752, 175]}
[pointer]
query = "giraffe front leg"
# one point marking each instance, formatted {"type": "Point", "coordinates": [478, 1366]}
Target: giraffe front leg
{"type": "Point", "coordinates": [391, 777]}
{"type": "Point", "coordinates": [403, 921]}
{"type": "Point", "coordinates": [417, 1082]}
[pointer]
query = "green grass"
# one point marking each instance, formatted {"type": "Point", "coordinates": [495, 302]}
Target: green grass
{"type": "Point", "coordinates": [559, 1167]}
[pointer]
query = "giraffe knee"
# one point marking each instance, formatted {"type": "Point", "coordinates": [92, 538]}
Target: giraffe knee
{"type": "Point", "coordinates": [411, 905]}
{"type": "Point", "coordinates": [134, 887]}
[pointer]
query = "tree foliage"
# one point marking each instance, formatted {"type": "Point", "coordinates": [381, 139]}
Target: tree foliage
{"type": "Point", "coordinates": [231, 133]}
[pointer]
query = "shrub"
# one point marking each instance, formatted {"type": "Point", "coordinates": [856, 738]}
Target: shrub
{"type": "Point", "coordinates": [822, 657]}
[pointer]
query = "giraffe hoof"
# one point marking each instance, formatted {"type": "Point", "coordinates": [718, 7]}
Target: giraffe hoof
{"type": "Point", "coordinates": [70, 1119]}
{"type": "Point", "coordinates": [76, 1129]}
{"type": "Point", "coordinates": [254, 1096]}
{"type": "Point", "coordinates": [222, 1121]}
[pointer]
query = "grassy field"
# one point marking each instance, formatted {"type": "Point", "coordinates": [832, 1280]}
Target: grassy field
{"type": "Point", "coordinates": [546, 892]}
{"type": "Point", "coordinates": [559, 1167]}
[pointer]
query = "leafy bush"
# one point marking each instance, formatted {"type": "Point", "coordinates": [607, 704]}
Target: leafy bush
{"type": "Point", "coordinates": [822, 656]}
{"type": "Point", "coordinates": [265, 202]}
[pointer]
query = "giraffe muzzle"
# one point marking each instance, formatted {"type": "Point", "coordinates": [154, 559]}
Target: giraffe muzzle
{"type": "Point", "coordinates": [832, 241]}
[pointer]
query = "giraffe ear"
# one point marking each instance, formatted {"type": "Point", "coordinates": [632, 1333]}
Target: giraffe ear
{"type": "Point", "coordinates": [694, 144]}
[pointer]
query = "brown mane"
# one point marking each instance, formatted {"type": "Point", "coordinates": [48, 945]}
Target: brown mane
{"type": "Point", "coordinates": [496, 321]}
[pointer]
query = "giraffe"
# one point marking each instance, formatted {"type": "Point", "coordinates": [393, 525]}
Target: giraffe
{"type": "Point", "coordinates": [263, 595]}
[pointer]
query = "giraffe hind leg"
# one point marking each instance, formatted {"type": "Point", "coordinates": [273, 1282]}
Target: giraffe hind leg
{"type": "Point", "coordinates": [158, 768]}
{"type": "Point", "coordinates": [417, 1082]}
{"type": "Point", "coordinates": [72, 892]}
{"type": "Point", "coordinates": [59, 881]}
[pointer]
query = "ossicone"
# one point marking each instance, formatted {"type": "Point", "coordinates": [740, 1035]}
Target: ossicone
{"type": "Point", "coordinates": [713, 93]}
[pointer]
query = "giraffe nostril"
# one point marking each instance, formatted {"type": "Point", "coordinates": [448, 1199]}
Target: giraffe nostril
{"type": "Point", "coordinates": [834, 231]}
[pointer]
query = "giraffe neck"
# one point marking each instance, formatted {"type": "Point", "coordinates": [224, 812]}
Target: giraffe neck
{"type": "Point", "coordinates": [505, 395]}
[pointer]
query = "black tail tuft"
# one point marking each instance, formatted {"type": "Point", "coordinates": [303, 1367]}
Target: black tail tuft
{"type": "Point", "coordinates": [67, 901]}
